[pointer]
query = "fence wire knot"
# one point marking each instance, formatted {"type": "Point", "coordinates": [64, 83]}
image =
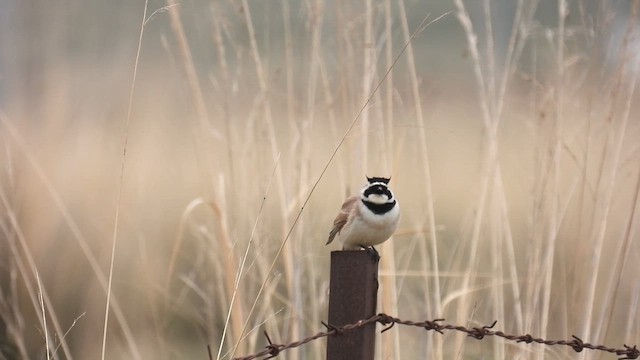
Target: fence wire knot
{"type": "Point", "coordinates": [629, 352]}
{"type": "Point", "coordinates": [577, 344]}
{"type": "Point", "coordinates": [274, 349]}
{"type": "Point", "coordinates": [526, 339]}
{"type": "Point", "coordinates": [385, 319]}
{"type": "Point", "coordinates": [335, 329]}
{"type": "Point", "coordinates": [433, 325]}
{"type": "Point", "coordinates": [479, 333]}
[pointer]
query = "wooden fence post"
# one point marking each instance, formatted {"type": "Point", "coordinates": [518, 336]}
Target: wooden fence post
{"type": "Point", "coordinates": [352, 297]}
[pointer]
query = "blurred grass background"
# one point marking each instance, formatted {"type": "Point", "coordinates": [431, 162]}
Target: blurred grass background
{"type": "Point", "coordinates": [515, 160]}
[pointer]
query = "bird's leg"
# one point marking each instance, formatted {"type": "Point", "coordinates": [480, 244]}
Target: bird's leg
{"type": "Point", "coordinates": [372, 252]}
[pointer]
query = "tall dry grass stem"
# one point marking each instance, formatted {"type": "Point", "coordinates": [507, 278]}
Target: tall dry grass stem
{"type": "Point", "coordinates": [114, 239]}
{"type": "Point", "coordinates": [623, 92]}
{"type": "Point", "coordinates": [240, 269]}
{"type": "Point", "coordinates": [202, 144]}
{"type": "Point", "coordinates": [45, 329]}
{"type": "Point", "coordinates": [489, 161]}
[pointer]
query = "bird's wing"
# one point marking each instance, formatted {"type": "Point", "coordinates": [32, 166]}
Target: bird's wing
{"type": "Point", "coordinates": [342, 217]}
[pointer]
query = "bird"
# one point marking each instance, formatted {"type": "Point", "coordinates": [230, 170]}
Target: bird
{"type": "Point", "coordinates": [367, 219]}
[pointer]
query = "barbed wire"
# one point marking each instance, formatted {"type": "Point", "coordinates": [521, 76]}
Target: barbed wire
{"type": "Point", "coordinates": [272, 349]}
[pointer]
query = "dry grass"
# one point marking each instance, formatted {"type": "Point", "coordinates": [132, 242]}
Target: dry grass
{"type": "Point", "coordinates": [509, 129]}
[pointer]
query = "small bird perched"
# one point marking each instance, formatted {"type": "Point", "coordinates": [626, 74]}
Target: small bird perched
{"type": "Point", "coordinates": [369, 219]}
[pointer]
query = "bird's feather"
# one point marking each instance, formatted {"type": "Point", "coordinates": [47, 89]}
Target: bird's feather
{"type": "Point", "coordinates": [342, 217]}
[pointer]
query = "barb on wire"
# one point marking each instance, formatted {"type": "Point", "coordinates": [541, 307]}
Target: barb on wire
{"type": "Point", "coordinates": [272, 350]}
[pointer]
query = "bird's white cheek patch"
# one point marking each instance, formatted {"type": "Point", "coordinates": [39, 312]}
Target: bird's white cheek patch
{"type": "Point", "coordinates": [378, 199]}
